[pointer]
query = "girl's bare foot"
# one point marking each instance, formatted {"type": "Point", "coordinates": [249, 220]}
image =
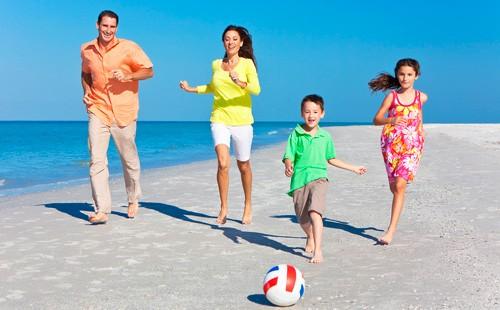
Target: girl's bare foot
{"type": "Point", "coordinates": [317, 257]}
{"type": "Point", "coordinates": [386, 238]}
{"type": "Point", "coordinates": [309, 245]}
{"type": "Point", "coordinates": [247, 215]}
{"type": "Point", "coordinates": [222, 217]}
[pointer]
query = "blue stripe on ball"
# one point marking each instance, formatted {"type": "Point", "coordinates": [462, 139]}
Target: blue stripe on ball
{"type": "Point", "coordinates": [275, 268]}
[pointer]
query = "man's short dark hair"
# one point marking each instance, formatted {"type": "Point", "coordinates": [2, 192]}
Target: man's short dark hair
{"type": "Point", "coordinates": [108, 13]}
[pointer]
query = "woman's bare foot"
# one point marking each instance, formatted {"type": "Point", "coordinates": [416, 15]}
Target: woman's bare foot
{"type": "Point", "coordinates": [133, 208]}
{"type": "Point", "coordinates": [317, 257]}
{"type": "Point", "coordinates": [309, 245]}
{"type": "Point", "coordinates": [386, 238]}
{"type": "Point", "coordinates": [222, 217]}
{"type": "Point", "coordinates": [98, 218]}
{"type": "Point", "coordinates": [247, 215]}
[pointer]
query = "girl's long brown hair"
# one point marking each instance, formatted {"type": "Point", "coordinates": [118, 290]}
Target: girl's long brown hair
{"type": "Point", "coordinates": [385, 81]}
{"type": "Point", "coordinates": [246, 50]}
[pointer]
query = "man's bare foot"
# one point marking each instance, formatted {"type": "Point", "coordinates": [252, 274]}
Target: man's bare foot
{"type": "Point", "coordinates": [386, 238]}
{"type": "Point", "coordinates": [133, 208]}
{"type": "Point", "coordinates": [309, 245]}
{"type": "Point", "coordinates": [247, 215]}
{"type": "Point", "coordinates": [98, 218]}
{"type": "Point", "coordinates": [317, 257]}
{"type": "Point", "coordinates": [222, 217]}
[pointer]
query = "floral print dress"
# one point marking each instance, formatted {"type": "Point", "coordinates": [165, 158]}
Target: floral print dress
{"type": "Point", "coordinates": [402, 145]}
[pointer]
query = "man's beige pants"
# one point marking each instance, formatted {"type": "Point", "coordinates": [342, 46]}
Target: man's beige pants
{"type": "Point", "coordinates": [124, 138]}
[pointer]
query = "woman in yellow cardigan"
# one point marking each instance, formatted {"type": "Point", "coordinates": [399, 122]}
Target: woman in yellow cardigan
{"type": "Point", "coordinates": [234, 79]}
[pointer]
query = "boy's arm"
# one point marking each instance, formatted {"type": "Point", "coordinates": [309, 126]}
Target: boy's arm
{"type": "Point", "coordinates": [343, 165]}
{"type": "Point", "coordinates": [288, 167]}
{"type": "Point", "coordinates": [289, 156]}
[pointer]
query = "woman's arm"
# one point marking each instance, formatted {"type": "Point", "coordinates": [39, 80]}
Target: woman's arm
{"type": "Point", "coordinates": [185, 86]}
{"type": "Point", "coordinates": [252, 84]}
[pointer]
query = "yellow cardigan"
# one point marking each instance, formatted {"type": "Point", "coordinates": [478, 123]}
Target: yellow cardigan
{"type": "Point", "coordinates": [232, 104]}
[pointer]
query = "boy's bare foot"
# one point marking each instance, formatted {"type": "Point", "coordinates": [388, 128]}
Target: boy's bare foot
{"type": "Point", "coordinates": [317, 257]}
{"type": "Point", "coordinates": [309, 245]}
{"type": "Point", "coordinates": [247, 215]}
{"type": "Point", "coordinates": [222, 217]}
{"type": "Point", "coordinates": [386, 238]}
{"type": "Point", "coordinates": [133, 208]}
{"type": "Point", "coordinates": [98, 218]}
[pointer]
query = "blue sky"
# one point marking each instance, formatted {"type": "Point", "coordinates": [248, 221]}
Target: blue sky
{"type": "Point", "coordinates": [332, 48]}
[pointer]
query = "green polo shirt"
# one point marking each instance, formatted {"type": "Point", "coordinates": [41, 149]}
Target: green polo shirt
{"type": "Point", "coordinates": [309, 156]}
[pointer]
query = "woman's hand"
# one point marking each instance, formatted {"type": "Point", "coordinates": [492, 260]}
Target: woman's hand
{"type": "Point", "coordinates": [185, 86]}
{"type": "Point", "coordinates": [233, 75]}
{"type": "Point", "coordinates": [235, 78]}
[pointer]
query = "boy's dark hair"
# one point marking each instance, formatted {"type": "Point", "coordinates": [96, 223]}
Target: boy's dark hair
{"type": "Point", "coordinates": [313, 98]}
{"type": "Point", "coordinates": [107, 13]}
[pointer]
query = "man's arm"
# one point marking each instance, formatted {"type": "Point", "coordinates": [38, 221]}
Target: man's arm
{"type": "Point", "coordinates": [141, 74]}
{"type": "Point", "coordinates": [86, 85]}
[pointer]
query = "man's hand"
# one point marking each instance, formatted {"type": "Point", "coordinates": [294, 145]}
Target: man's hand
{"type": "Point", "coordinates": [121, 76]}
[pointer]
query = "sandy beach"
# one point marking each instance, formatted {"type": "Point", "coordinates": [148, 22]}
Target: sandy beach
{"type": "Point", "coordinates": [174, 256]}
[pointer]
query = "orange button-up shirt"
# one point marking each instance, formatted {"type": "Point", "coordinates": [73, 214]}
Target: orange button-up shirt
{"type": "Point", "coordinates": [109, 99]}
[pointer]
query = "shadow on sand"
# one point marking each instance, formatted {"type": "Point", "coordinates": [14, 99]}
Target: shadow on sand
{"type": "Point", "coordinates": [231, 233]}
{"type": "Point", "coordinates": [76, 209]}
{"type": "Point", "coordinates": [260, 299]}
{"type": "Point", "coordinates": [330, 223]}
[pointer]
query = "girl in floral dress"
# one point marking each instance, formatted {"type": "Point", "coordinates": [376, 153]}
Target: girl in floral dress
{"type": "Point", "coordinates": [402, 137]}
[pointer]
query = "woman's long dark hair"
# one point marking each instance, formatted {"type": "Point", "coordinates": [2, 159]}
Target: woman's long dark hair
{"type": "Point", "coordinates": [246, 50]}
{"type": "Point", "coordinates": [385, 81]}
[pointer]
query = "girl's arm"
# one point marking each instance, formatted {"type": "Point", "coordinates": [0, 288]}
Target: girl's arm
{"type": "Point", "coordinates": [423, 97]}
{"type": "Point", "coordinates": [380, 118]}
{"type": "Point", "coordinates": [343, 165]}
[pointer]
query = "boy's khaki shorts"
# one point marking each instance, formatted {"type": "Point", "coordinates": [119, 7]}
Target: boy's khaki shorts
{"type": "Point", "coordinates": [311, 197]}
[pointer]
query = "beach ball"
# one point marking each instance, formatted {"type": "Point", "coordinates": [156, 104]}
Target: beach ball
{"type": "Point", "coordinates": [283, 285]}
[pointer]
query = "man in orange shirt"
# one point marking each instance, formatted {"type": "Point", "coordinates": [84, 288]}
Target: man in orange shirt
{"type": "Point", "coordinates": [111, 69]}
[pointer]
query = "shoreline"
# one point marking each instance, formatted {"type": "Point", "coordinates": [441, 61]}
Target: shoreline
{"type": "Point", "coordinates": [263, 138]}
{"type": "Point", "coordinates": [461, 132]}
{"type": "Point", "coordinates": [173, 255]}
{"type": "Point", "coordinates": [45, 187]}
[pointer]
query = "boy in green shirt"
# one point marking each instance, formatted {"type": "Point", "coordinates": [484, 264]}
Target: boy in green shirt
{"type": "Point", "coordinates": [308, 151]}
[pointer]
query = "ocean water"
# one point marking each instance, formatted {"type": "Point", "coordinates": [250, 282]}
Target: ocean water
{"type": "Point", "coordinates": [38, 156]}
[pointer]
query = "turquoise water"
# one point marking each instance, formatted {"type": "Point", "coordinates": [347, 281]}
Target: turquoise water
{"type": "Point", "coordinates": [37, 156]}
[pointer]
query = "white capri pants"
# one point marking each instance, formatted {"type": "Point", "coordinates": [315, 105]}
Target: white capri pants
{"type": "Point", "coordinates": [241, 135]}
